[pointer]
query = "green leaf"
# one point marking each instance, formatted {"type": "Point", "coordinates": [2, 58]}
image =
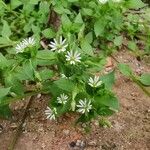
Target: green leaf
{"type": "Point", "coordinates": [118, 40]}
{"type": "Point", "coordinates": [108, 80]}
{"type": "Point", "coordinates": [145, 79]}
{"type": "Point", "coordinates": [107, 100]}
{"type": "Point", "coordinates": [16, 86]}
{"type": "Point", "coordinates": [34, 2]}
{"type": "Point", "coordinates": [6, 31]}
{"type": "Point", "coordinates": [4, 41]}
{"type": "Point", "coordinates": [125, 69]}
{"type": "Point", "coordinates": [132, 46]}
{"type": "Point", "coordinates": [86, 47]}
{"type": "Point", "coordinates": [78, 19]}
{"type": "Point", "coordinates": [99, 27]}
{"type": "Point", "coordinates": [64, 84]}
{"type": "Point", "coordinates": [87, 11]}
{"type": "Point", "coordinates": [45, 55]}
{"type": "Point", "coordinates": [26, 72]}
{"type": "Point", "coordinates": [4, 92]}
{"type": "Point", "coordinates": [48, 33]}
{"type": "Point", "coordinates": [36, 30]}
{"type": "Point", "coordinates": [46, 74]}
{"type": "Point", "coordinates": [66, 22]}
{"type": "Point", "coordinates": [3, 5]}
{"type": "Point", "coordinates": [44, 7]}
{"type": "Point", "coordinates": [61, 10]}
{"type": "Point", "coordinates": [5, 112]}
{"type": "Point", "coordinates": [89, 37]}
{"type": "Point", "coordinates": [3, 61]}
{"type": "Point", "coordinates": [15, 3]}
{"type": "Point", "coordinates": [135, 4]}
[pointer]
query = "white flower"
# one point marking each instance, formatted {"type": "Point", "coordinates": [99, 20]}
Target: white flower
{"type": "Point", "coordinates": [28, 42]}
{"type": "Point", "coordinates": [73, 57]}
{"type": "Point", "coordinates": [58, 45]}
{"type": "Point", "coordinates": [51, 113]}
{"type": "Point", "coordinates": [84, 106]}
{"type": "Point", "coordinates": [20, 48]}
{"type": "Point", "coordinates": [64, 76]}
{"type": "Point", "coordinates": [94, 82]}
{"type": "Point", "coordinates": [103, 1]}
{"type": "Point", "coordinates": [62, 99]}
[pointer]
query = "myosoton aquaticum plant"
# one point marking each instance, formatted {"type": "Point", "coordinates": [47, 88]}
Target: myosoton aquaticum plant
{"type": "Point", "coordinates": [60, 48]}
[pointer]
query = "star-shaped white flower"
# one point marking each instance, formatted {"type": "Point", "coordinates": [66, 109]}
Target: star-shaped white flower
{"type": "Point", "coordinates": [84, 106]}
{"type": "Point", "coordinates": [73, 57]}
{"type": "Point", "coordinates": [28, 42]}
{"type": "Point", "coordinates": [59, 46]}
{"type": "Point", "coordinates": [94, 82]}
{"type": "Point", "coordinates": [20, 48]}
{"type": "Point", "coordinates": [51, 113]}
{"type": "Point", "coordinates": [62, 99]}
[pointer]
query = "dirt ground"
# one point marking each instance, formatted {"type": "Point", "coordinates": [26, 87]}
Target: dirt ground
{"type": "Point", "coordinates": [130, 126]}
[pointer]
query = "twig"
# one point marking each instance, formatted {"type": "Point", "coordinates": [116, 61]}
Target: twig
{"type": "Point", "coordinates": [19, 128]}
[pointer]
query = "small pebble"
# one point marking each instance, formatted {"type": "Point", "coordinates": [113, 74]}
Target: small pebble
{"type": "Point", "coordinates": [92, 143]}
{"type": "Point", "coordinates": [148, 110]}
{"type": "Point", "coordinates": [40, 129]}
{"type": "Point", "coordinates": [80, 143]}
{"type": "Point", "coordinates": [13, 126]}
{"type": "Point", "coordinates": [43, 145]}
{"type": "Point", "coordinates": [24, 131]}
{"type": "Point", "coordinates": [138, 71]}
{"type": "Point", "coordinates": [66, 132]}
{"type": "Point", "coordinates": [39, 96]}
{"type": "Point", "coordinates": [32, 117]}
{"type": "Point", "coordinates": [24, 124]}
{"type": "Point", "coordinates": [96, 123]}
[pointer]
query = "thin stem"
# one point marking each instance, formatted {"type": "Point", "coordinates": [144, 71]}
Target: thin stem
{"type": "Point", "coordinates": [10, 100]}
{"type": "Point", "coordinates": [6, 45]}
{"type": "Point", "coordinates": [134, 79]}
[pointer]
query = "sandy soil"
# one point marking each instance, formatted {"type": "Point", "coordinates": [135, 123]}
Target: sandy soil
{"type": "Point", "coordinates": [130, 126]}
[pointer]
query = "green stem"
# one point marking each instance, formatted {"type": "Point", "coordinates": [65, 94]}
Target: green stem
{"type": "Point", "coordinates": [7, 45]}
{"type": "Point", "coordinates": [9, 100]}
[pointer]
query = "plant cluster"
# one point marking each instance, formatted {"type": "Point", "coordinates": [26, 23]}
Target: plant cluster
{"type": "Point", "coordinates": [59, 48]}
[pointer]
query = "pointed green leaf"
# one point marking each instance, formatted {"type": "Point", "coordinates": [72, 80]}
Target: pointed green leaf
{"type": "Point", "coordinates": [145, 79]}
{"type": "Point", "coordinates": [6, 31]}
{"type": "Point", "coordinates": [125, 69]}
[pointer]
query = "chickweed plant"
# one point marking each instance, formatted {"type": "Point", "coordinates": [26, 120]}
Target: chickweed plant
{"type": "Point", "coordinates": [77, 35]}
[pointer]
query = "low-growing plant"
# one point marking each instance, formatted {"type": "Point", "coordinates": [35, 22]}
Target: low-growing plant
{"type": "Point", "coordinates": [65, 72]}
{"type": "Point", "coordinates": [62, 54]}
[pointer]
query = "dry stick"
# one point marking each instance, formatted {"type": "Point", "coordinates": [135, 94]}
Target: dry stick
{"type": "Point", "coordinates": [19, 128]}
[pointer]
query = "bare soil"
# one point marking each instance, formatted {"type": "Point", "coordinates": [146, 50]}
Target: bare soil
{"type": "Point", "coordinates": [130, 126]}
